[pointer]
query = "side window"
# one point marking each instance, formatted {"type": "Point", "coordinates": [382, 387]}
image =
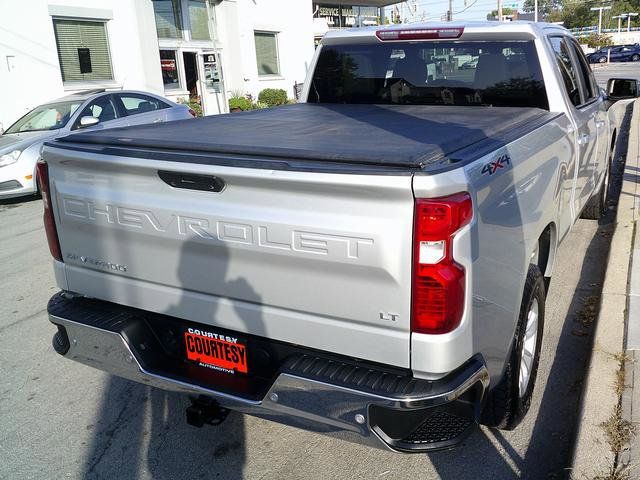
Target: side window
{"type": "Point", "coordinates": [563, 57]}
{"type": "Point", "coordinates": [135, 104]}
{"type": "Point", "coordinates": [102, 108]}
{"type": "Point", "coordinates": [589, 81]}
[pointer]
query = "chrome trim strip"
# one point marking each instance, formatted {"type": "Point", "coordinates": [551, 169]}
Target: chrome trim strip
{"type": "Point", "coordinates": [292, 399]}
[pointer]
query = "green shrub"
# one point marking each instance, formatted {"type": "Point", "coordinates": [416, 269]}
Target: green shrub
{"type": "Point", "coordinates": [243, 103]}
{"type": "Point", "coordinates": [193, 105]}
{"type": "Point", "coordinates": [273, 96]}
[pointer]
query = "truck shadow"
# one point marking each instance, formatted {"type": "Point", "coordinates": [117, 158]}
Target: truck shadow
{"type": "Point", "coordinates": [140, 431]}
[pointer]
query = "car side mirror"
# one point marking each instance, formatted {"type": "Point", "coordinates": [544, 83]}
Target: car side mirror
{"type": "Point", "coordinates": [622, 88]}
{"type": "Point", "coordinates": [88, 121]}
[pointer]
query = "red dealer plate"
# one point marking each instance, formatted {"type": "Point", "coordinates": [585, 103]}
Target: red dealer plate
{"type": "Point", "coordinates": [216, 352]}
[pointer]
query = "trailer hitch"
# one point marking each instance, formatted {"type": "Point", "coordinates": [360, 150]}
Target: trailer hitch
{"type": "Point", "coordinates": [205, 410]}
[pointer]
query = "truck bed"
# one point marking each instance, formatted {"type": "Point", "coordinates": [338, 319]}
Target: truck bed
{"type": "Point", "coordinates": [400, 136]}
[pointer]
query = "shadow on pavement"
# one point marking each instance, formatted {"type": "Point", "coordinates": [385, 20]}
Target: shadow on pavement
{"type": "Point", "coordinates": [6, 203]}
{"type": "Point", "coordinates": [141, 431]}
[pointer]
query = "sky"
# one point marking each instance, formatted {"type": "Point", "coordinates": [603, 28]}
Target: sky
{"type": "Point", "coordinates": [462, 9]}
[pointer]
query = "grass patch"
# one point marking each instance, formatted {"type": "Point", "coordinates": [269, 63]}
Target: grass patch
{"type": "Point", "coordinates": [618, 430]}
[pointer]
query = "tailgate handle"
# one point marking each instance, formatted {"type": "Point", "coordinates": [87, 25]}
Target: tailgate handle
{"type": "Point", "coordinates": [192, 181]}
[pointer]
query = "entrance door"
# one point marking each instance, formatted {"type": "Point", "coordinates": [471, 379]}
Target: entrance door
{"type": "Point", "coordinates": [214, 98]}
{"type": "Point", "coordinates": [191, 77]}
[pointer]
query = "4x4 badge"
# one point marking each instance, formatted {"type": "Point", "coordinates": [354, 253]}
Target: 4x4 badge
{"type": "Point", "coordinates": [493, 167]}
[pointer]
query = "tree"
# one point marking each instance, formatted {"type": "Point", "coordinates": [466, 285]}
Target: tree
{"type": "Point", "coordinates": [578, 14]}
{"type": "Point", "coordinates": [505, 11]}
{"type": "Point", "coordinates": [622, 7]}
{"type": "Point", "coordinates": [545, 7]}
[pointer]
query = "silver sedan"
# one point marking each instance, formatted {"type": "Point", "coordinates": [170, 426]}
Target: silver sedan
{"type": "Point", "coordinates": [21, 143]}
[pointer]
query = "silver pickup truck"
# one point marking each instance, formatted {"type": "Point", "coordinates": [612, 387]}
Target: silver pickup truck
{"type": "Point", "coordinates": [371, 262]}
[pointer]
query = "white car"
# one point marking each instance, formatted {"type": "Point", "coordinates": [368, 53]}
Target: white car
{"type": "Point", "coordinates": [21, 143]}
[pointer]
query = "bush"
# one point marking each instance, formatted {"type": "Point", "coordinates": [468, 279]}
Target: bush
{"type": "Point", "coordinates": [193, 105]}
{"type": "Point", "coordinates": [273, 96]}
{"type": "Point", "coordinates": [597, 41]}
{"type": "Point", "coordinates": [243, 103]}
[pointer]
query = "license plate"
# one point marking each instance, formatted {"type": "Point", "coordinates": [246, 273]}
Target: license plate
{"type": "Point", "coordinates": [218, 352]}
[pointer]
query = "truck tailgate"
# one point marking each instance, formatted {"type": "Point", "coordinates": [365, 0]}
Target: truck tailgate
{"type": "Point", "coordinates": [321, 260]}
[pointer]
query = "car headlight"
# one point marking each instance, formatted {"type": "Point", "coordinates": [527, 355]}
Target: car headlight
{"type": "Point", "coordinates": [9, 158]}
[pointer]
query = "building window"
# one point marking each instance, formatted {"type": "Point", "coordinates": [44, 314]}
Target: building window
{"type": "Point", "coordinates": [267, 53]}
{"type": "Point", "coordinates": [169, 69]}
{"type": "Point", "coordinates": [83, 50]}
{"type": "Point", "coordinates": [168, 14]}
{"type": "Point", "coordinates": [199, 20]}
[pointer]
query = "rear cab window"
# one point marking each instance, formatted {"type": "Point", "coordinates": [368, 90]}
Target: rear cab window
{"type": "Point", "coordinates": [467, 73]}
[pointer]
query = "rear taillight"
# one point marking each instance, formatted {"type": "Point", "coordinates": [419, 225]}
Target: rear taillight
{"type": "Point", "coordinates": [49, 222]}
{"type": "Point", "coordinates": [438, 281]}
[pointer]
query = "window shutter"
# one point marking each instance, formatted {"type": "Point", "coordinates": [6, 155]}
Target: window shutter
{"type": "Point", "coordinates": [72, 35]}
{"type": "Point", "coordinates": [267, 53]}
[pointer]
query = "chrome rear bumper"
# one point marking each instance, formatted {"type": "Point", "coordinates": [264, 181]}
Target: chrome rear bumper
{"type": "Point", "coordinates": [363, 405]}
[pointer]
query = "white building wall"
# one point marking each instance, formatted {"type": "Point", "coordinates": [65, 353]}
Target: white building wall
{"type": "Point", "coordinates": [29, 67]}
{"type": "Point", "coordinates": [30, 72]}
{"type": "Point", "coordinates": [292, 19]}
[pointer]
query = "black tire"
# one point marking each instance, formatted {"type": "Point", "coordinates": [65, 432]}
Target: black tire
{"type": "Point", "coordinates": [635, 57]}
{"type": "Point", "coordinates": [597, 205]}
{"type": "Point", "coordinates": [505, 407]}
{"type": "Point", "coordinates": [602, 60]}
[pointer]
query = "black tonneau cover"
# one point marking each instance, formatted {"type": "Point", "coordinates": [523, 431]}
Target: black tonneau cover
{"type": "Point", "coordinates": [409, 136]}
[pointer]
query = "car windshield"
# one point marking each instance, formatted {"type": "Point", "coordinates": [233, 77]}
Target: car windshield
{"type": "Point", "coordinates": [430, 73]}
{"type": "Point", "coordinates": [46, 117]}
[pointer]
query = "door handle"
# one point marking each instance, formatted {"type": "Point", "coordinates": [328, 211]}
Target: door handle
{"type": "Point", "coordinates": [192, 181]}
{"type": "Point", "coordinates": [584, 139]}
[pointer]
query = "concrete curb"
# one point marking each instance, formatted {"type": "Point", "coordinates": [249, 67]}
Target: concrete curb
{"type": "Point", "coordinates": [592, 454]}
{"type": "Point", "coordinates": [630, 402]}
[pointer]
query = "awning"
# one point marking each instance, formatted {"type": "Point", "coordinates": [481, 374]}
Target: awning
{"type": "Point", "coordinates": [360, 3]}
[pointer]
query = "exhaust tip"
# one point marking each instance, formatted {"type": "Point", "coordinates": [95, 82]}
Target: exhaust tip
{"type": "Point", "coordinates": [60, 341]}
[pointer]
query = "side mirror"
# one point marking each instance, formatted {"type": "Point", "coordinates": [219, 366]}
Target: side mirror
{"type": "Point", "coordinates": [622, 88]}
{"type": "Point", "coordinates": [88, 121]}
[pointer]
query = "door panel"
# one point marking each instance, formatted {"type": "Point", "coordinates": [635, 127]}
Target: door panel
{"type": "Point", "coordinates": [212, 86]}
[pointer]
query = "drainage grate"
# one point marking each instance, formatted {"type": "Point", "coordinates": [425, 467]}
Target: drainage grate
{"type": "Point", "coordinates": [439, 427]}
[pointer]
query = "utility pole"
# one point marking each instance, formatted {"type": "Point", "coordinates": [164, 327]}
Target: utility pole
{"type": "Point", "coordinates": [600, 9]}
{"type": "Point", "coordinates": [450, 12]}
{"type": "Point", "coordinates": [535, 11]}
{"type": "Point", "coordinates": [499, 10]}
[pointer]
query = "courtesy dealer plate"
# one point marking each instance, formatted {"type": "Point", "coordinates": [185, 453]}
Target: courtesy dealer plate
{"type": "Point", "coordinates": [218, 352]}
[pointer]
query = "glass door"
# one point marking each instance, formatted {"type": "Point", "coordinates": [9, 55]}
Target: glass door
{"type": "Point", "coordinates": [213, 92]}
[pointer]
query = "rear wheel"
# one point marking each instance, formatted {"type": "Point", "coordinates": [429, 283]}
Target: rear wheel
{"type": "Point", "coordinates": [602, 59]}
{"type": "Point", "coordinates": [635, 57]}
{"type": "Point", "coordinates": [509, 401]}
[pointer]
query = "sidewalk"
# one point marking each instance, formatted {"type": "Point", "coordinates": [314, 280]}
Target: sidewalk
{"type": "Point", "coordinates": [602, 447]}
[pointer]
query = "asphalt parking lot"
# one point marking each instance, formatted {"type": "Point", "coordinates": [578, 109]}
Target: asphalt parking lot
{"type": "Point", "coordinates": [59, 419]}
